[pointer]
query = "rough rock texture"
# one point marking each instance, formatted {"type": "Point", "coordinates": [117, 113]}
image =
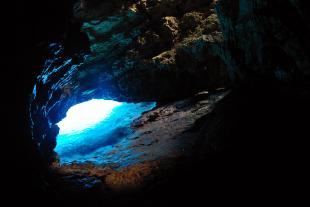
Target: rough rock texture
{"type": "Point", "coordinates": [165, 50]}
{"type": "Point", "coordinates": [140, 51]}
{"type": "Point", "coordinates": [162, 138]}
{"type": "Point", "coordinates": [266, 39]}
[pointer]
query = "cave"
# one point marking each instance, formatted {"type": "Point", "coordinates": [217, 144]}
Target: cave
{"type": "Point", "coordinates": [154, 102]}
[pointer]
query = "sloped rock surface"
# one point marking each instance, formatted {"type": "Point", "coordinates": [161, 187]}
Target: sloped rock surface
{"type": "Point", "coordinates": [162, 137]}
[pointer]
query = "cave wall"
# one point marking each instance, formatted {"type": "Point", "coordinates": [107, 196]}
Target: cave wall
{"type": "Point", "coordinates": [266, 40]}
{"type": "Point", "coordinates": [139, 51]}
{"type": "Point", "coordinates": [163, 50]}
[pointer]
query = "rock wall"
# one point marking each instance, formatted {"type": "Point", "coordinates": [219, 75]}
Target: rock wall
{"type": "Point", "coordinates": [164, 50]}
{"type": "Point", "coordinates": [265, 40]}
{"type": "Point", "coordinates": [139, 51]}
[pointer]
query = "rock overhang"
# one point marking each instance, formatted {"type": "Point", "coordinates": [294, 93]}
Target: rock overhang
{"type": "Point", "coordinates": [118, 71]}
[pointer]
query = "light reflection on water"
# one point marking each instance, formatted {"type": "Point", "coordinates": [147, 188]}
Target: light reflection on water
{"type": "Point", "coordinates": [91, 126]}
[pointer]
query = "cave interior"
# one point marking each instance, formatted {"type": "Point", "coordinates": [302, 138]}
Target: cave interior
{"type": "Point", "coordinates": [147, 102]}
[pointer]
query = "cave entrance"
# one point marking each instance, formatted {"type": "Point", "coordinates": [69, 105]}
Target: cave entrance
{"type": "Point", "coordinates": [91, 126]}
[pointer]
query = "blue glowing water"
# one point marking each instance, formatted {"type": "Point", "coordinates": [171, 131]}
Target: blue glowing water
{"type": "Point", "coordinates": [95, 124]}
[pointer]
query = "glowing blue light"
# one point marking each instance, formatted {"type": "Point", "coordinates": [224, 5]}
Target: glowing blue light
{"type": "Point", "coordinates": [86, 115]}
{"type": "Point", "coordinates": [95, 125]}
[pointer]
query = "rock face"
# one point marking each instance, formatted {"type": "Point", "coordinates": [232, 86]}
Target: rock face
{"type": "Point", "coordinates": [161, 137]}
{"type": "Point", "coordinates": [166, 50]}
{"type": "Point", "coordinates": [140, 51]}
{"type": "Point", "coordinates": [266, 40]}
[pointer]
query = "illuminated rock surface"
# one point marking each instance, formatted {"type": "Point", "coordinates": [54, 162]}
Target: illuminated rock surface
{"type": "Point", "coordinates": [130, 60]}
{"type": "Point", "coordinates": [159, 138]}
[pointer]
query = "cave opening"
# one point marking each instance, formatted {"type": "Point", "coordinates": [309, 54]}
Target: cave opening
{"type": "Point", "coordinates": [91, 127]}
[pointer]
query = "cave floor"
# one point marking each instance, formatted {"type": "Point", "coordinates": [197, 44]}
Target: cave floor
{"type": "Point", "coordinates": [162, 137]}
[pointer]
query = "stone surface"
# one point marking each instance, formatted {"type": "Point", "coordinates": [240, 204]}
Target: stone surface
{"type": "Point", "coordinates": [136, 54]}
{"type": "Point", "coordinates": [265, 39]}
{"type": "Point", "coordinates": [165, 51]}
{"type": "Point", "coordinates": [161, 137]}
